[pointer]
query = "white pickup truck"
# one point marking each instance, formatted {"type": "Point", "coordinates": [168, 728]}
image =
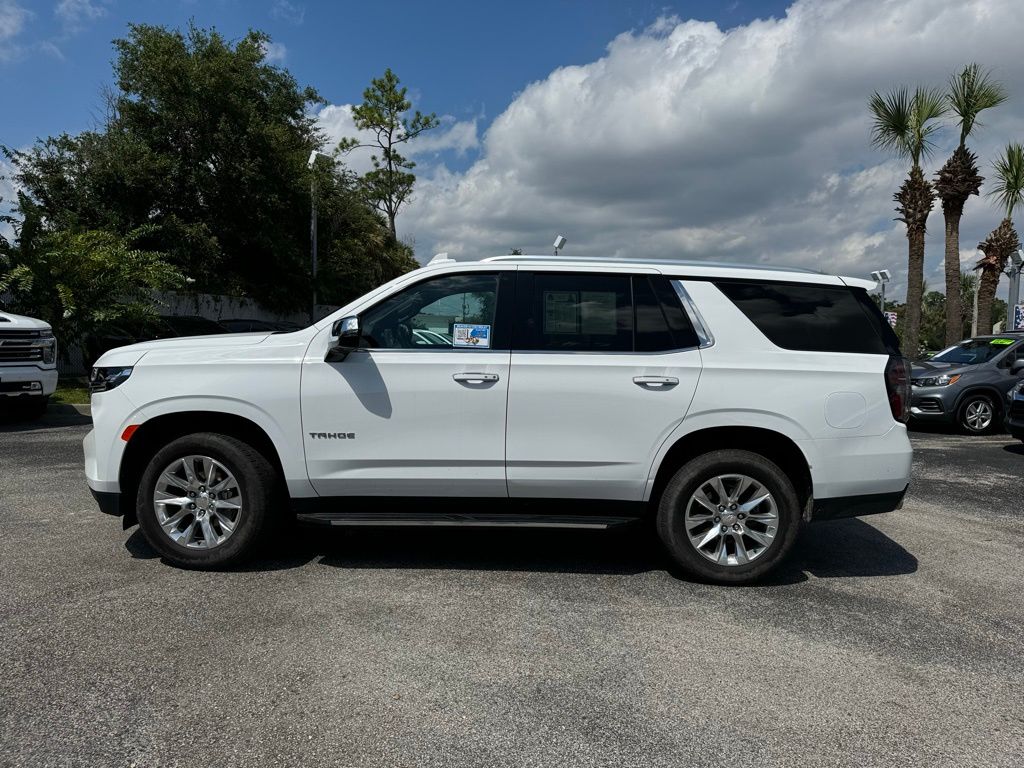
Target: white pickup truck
{"type": "Point", "coordinates": [28, 362]}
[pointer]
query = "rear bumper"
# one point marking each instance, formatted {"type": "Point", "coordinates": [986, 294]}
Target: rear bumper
{"type": "Point", "coordinates": [861, 466]}
{"type": "Point", "coordinates": [857, 506]}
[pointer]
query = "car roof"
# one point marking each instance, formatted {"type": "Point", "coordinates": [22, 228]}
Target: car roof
{"type": "Point", "coordinates": [679, 267]}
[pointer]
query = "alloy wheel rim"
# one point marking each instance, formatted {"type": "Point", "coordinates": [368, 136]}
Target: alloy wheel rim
{"type": "Point", "coordinates": [978, 415]}
{"type": "Point", "coordinates": [731, 520]}
{"type": "Point", "coordinates": [198, 502]}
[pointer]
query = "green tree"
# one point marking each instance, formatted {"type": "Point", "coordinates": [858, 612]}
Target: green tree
{"type": "Point", "coordinates": [970, 93]}
{"type": "Point", "coordinates": [1003, 240]}
{"type": "Point", "coordinates": [79, 282]}
{"type": "Point", "coordinates": [384, 113]}
{"type": "Point", "coordinates": [202, 157]}
{"type": "Point", "coordinates": [903, 124]}
{"type": "Point", "coordinates": [360, 252]}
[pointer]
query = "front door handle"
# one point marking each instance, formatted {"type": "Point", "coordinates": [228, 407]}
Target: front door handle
{"type": "Point", "coordinates": [475, 378]}
{"type": "Point", "coordinates": [655, 382]}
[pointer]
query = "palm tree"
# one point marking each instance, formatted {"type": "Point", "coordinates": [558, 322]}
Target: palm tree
{"type": "Point", "coordinates": [970, 92]}
{"type": "Point", "coordinates": [997, 247]}
{"type": "Point", "coordinates": [903, 124]}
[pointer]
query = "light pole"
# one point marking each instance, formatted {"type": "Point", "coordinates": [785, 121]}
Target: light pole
{"type": "Point", "coordinates": [312, 225]}
{"type": "Point", "coordinates": [977, 286]}
{"type": "Point", "coordinates": [559, 244]}
{"type": "Point", "coordinates": [882, 277]}
{"type": "Point", "coordinates": [1016, 261]}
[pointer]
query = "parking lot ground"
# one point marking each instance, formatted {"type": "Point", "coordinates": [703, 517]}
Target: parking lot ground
{"type": "Point", "coordinates": [892, 640]}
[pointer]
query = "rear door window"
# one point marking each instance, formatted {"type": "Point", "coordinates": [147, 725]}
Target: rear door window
{"type": "Point", "coordinates": [572, 312]}
{"type": "Point", "coordinates": [812, 318]}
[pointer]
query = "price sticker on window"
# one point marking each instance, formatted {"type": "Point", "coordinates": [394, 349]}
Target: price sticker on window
{"type": "Point", "coordinates": [473, 336]}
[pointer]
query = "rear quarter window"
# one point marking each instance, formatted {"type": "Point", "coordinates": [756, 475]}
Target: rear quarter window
{"type": "Point", "coordinates": [812, 318]}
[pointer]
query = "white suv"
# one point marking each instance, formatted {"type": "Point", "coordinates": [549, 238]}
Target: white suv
{"type": "Point", "coordinates": [28, 362]}
{"type": "Point", "coordinates": [732, 404]}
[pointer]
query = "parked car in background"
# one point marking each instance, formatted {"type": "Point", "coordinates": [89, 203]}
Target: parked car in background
{"type": "Point", "coordinates": [250, 325]}
{"type": "Point", "coordinates": [193, 325]}
{"type": "Point", "coordinates": [28, 363]}
{"type": "Point", "coordinates": [150, 329]}
{"type": "Point", "coordinates": [1014, 419]}
{"type": "Point", "coordinates": [967, 384]}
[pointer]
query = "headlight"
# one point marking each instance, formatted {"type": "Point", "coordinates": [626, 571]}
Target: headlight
{"type": "Point", "coordinates": [49, 351]}
{"type": "Point", "coordinates": [103, 379]}
{"type": "Point", "coordinates": [939, 381]}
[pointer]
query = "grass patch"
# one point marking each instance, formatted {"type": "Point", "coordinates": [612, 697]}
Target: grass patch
{"type": "Point", "coordinates": [71, 393]}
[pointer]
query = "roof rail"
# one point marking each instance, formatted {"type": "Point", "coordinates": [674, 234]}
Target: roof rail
{"type": "Point", "coordinates": [667, 262]}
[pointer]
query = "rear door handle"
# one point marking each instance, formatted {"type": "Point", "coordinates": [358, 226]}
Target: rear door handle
{"type": "Point", "coordinates": [655, 382]}
{"type": "Point", "coordinates": [475, 378]}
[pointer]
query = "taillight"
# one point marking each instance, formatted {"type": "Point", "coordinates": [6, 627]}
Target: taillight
{"type": "Point", "coordinates": [897, 385]}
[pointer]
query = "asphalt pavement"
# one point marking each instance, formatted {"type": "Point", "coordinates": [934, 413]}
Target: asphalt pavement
{"type": "Point", "coordinates": [892, 640]}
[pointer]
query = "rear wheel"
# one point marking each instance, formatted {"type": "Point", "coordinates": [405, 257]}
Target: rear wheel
{"type": "Point", "coordinates": [205, 500]}
{"type": "Point", "coordinates": [729, 516]}
{"type": "Point", "coordinates": [977, 415]}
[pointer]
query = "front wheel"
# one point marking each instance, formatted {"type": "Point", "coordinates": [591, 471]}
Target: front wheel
{"type": "Point", "coordinates": [977, 415]}
{"type": "Point", "coordinates": [729, 516]}
{"type": "Point", "coordinates": [205, 500]}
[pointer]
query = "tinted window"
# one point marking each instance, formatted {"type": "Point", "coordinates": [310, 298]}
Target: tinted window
{"type": "Point", "coordinates": [815, 318]}
{"type": "Point", "coordinates": [973, 351]}
{"type": "Point", "coordinates": [661, 321]}
{"type": "Point", "coordinates": [425, 316]}
{"type": "Point", "coordinates": [575, 312]}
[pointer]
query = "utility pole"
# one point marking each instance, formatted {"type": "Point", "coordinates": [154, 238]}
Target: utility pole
{"type": "Point", "coordinates": [312, 226]}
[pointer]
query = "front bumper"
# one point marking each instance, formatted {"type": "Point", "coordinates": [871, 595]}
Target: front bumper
{"type": "Point", "coordinates": [1014, 419]}
{"type": "Point", "coordinates": [18, 380]}
{"type": "Point", "coordinates": [108, 502]}
{"type": "Point", "coordinates": [933, 403]}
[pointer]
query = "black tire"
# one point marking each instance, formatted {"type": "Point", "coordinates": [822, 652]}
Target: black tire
{"type": "Point", "coordinates": [963, 418]}
{"type": "Point", "coordinates": [258, 483]}
{"type": "Point", "coordinates": [694, 474]}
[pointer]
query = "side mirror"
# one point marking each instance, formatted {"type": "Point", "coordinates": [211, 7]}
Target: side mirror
{"type": "Point", "coordinates": [1017, 368]}
{"type": "Point", "coordinates": [346, 331]}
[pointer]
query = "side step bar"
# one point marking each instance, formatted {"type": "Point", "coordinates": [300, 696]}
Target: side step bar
{"type": "Point", "coordinates": [496, 520]}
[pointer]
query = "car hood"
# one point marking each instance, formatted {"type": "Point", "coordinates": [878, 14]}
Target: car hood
{"type": "Point", "coordinates": [927, 369]}
{"type": "Point", "coordinates": [132, 353]}
{"type": "Point", "coordinates": [13, 322]}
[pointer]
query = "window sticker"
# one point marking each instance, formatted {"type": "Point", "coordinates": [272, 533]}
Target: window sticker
{"type": "Point", "coordinates": [1001, 342]}
{"type": "Point", "coordinates": [469, 335]}
{"type": "Point", "coordinates": [561, 312]}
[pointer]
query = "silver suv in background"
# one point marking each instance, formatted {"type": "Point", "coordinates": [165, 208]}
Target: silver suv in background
{"type": "Point", "coordinates": [28, 363]}
{"type": "Point", "coordinates": [967, 384]}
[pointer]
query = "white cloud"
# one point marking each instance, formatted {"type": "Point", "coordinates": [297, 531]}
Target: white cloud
{"type": "Point", "coordinates": [75, 14]}
{"type": "Point", "coordinates": [289, 12]}
{"type": "Point", "coordinates": [12, 22]}
{"type": "Point", "coordinates": [8, 196]}
{"type": "Point", "coordinates": [274, 53]}
{"type": "Point", "coordinates": [452, 135]}
{"type": "Point", "coordinates": [749, 144]}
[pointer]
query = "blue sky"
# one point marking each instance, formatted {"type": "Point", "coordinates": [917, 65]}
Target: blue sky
{"type": "Point", "coordinates": [730, 131]}
{"type": "Point", "coordinates": [462, 58]}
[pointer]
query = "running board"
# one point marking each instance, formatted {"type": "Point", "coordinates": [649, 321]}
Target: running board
{"type": "Point", "coordinates": [496, 520]}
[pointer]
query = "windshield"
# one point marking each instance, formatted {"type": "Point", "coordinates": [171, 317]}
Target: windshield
{"type": "Point", "coordinates": [972, 351]}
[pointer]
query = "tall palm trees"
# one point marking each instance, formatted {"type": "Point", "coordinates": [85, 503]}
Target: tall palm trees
{"type": "Point", "coordinates": [903, 124]}
{"type": "Point", "coordinates": [1003, 240]}
{"type": "Point", "coordinates": [970, 92]}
